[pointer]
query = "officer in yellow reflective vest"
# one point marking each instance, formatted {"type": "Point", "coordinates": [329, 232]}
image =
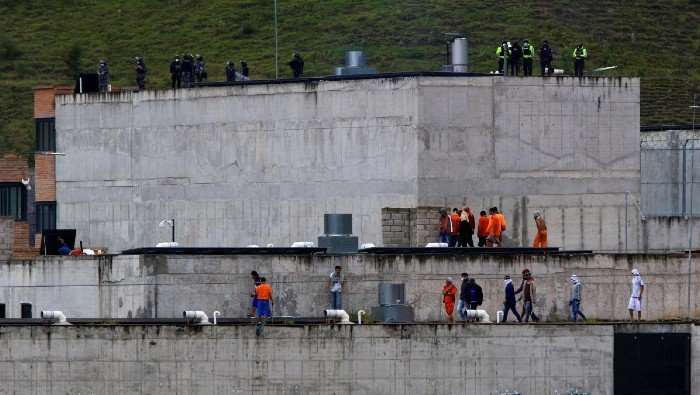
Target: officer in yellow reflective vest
{"type": "Point", "coordinates": [580, 55]}
{"type": "Point", "coordinates": [528, 54]}
{"type": "Point", "coordinates": [503, 53]}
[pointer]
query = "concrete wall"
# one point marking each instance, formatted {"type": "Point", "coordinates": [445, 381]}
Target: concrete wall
{"type": "Point", "coordinates": [566, 147]}
{"type": "Point", "coordinates": [262, 163]}
{"type": "Point", "coordinates": [667, 157]}
{"type": "Point", "coordinates": [237, 165]}
{"type": "Point", "coordinates": [164, 286]}
{"type": "Point", "coordinates": [413, 359]}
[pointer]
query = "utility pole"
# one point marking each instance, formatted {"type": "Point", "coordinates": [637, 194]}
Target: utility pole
{"type": "Point", "coordinates": [277, 68]}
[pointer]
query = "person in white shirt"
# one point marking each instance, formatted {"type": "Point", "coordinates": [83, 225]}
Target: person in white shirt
{"type": "Point", "coordinates": [636, 298]}
{"type": "Point", "coordinates": [335, 285]}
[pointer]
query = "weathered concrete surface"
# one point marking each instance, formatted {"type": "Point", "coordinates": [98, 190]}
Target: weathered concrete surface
{"type": "Point", "coordinates": [164, 286]}
{"type": "Point", "coordinates": [410, 359]}
{"type": "Point", "coordinates": [262, 163]}
{"type": "Point", "coordinates": [670, 173]}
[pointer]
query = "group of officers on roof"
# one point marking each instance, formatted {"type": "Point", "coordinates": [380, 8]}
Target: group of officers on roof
{"type": "Point", "coordinates": [513, 55]}
{"type": "Point", "coordinates": [188, 68]}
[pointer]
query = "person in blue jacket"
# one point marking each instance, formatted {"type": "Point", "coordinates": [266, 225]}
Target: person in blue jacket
{"type": "Point", "coordinates": [509, 302]}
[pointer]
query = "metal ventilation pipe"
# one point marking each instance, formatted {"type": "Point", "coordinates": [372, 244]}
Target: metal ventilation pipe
{"type": "Point", "coordinates": [56, 317]}
{"type": "Point", "coordinates": [196, 317]}
{"type": "Point", "coordinates": [460, 55]}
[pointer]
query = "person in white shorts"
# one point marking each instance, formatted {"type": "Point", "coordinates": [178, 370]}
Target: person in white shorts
{"type": "Point", "coordinates": [636, 298]}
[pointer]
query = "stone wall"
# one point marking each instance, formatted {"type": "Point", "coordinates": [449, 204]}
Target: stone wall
{"type": "Point", "coordinates": [368, 359]}
{"type": "Point", "coordinates": [164, 286]}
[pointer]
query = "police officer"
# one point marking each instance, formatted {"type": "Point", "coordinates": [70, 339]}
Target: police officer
{"type": "Point", "coordinates": [176, 72]}
{"type": "Point", "coordinates": [187, 70]}
{"type": "Point", "coordinates": [546, 59]}
{"type": "Point", "coordinates": [580, 54]}
{"type": "Point", "coordinates": [140, 73]}
{"type": "Point", "coordinates": [244, 69]}
{"type": "Point", "coordinates": [103, 76]}
{"type": "Point", "coordinates": [297, 65]}
{"type": "Point", "coordinates": [528, 54]}
{"type": "Point", "coordinates": [502, 52]}
{"type": "Point", "coordinates": [230, 71]}
{"type": "Point", "coordinates": [516, 54]}
{"type": "Point", "coordinates": [200, 70]}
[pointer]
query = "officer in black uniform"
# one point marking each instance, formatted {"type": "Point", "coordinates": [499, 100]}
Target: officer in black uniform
{"type": "Point", "coordinates": [297, 65]}
{"type": "Point", "coordinates": [176, 72]}
{"type": "Point", "coordinates": [187, 70]}
{"type": "Point", "coordinates": [140, 73]}
{"type": "Point", "coordinates": [200, 70]}
{"type": "Point", "coordinates": [103, 76]}
{"type": "Point", "coordinates": [546, 58]}
{"type": "Point", "coordinates": [244, 69]}
{"type": "Point", "coordinates": [516, 55]}
{"type": "Point", "coordinates": [230, 71]}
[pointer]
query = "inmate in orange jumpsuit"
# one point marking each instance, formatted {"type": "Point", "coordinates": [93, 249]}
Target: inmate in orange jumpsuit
{"type": "Point", "coordinates": [449, 296]}
{"type": "Point", "coordinates": [541, 237]}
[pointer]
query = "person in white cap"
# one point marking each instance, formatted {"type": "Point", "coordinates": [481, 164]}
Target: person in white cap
{"type": "Point", "coordinates": [575, 300]}
{"type": "Point", "coordinates": [636, 298]}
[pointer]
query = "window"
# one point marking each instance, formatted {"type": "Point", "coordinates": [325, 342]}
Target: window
{"type": "Point", "coordinates": [45, 216]}
{"type": "Point", "coordinates": [46, 134]}
{"type": "Point", "coordinates": [25, 310]}
{"type": "Point", "coordinates": [3, 312]}
{"type": "Point", "coordinates": [13, 201]}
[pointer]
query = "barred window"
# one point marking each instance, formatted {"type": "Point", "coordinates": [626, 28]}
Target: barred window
{"type": "Point", "coordinates": [13, 201]}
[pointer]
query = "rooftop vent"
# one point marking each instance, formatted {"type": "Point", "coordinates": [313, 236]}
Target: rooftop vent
{"type": "Point", "coordinates": [337, 237]}
{"type": "Point", "coordinates": [355, 63]}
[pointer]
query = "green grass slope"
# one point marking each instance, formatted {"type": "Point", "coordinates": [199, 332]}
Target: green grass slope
{"type": "Point", "coordinates": [656, 40]}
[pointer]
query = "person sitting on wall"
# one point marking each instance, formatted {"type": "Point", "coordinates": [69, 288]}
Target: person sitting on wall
{"type": "Point", "coordinates": [63, 248]}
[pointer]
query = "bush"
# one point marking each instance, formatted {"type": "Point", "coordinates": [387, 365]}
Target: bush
{"type": "Point", "coordinates": [9, 49]}
{"type": "Point", "coordinates": [247, 29]}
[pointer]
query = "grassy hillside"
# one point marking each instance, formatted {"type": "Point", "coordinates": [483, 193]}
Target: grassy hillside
{"type": "Point", "coordinates": [657, 40]}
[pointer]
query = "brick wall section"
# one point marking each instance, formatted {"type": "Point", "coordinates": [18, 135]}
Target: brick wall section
{"type": "Point", "coordinates": [427, 225]}
{"type": "Point", "coordinates": [13, 168]}
{"type": "Point", "coordinates": [44, 100]}
{"type": "Point", "coordinates": [410, 227]}
{"type": "Point", "coordinates": [397, 226]}
{"type": "Point", "coordinates": [21, 248]}
{"type": "Point", "coordinates": [45, 178]}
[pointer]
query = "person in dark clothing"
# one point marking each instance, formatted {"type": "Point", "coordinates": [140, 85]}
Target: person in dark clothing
{"type": "Point", "coordinates": [141, 73]}
{"type": "Point", "coordinates": [244, 69]}
{"type": "Point", "coordinates": [466, 228]}
{"type": "Point", "coordinates": [176, 72]}
{"type": "Point", "coordinates": [200, 69]}
{"type": "Point", "coordinates": [527, 287]}
{"type": "Point", "coordinates": [546, 58]}
{"type": "Point", "coordinates": [509, 302]}
{"type": "Point", "coordinates": [103, 76]}
{"type": "Point", "coordinates": [297, 65]}
{"type": "Point", "coordinates": [187, 70]}
{"type": "Point", "coordinates": [476, 294]}
{"type": "Point", "coordinates": [516, 55]}
{"type": "Point", "coordinates": [230, 71]}
{"type": "Point", "coordinates": [463, 296]}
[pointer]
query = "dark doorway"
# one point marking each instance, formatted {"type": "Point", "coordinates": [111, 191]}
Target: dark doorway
{"type": "Point", "coordinates": [652, 364]}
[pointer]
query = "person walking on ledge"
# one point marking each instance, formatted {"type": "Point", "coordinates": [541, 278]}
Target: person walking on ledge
{"type": "Point", "coordinates": [636, 298]}
{"type": "Point", "coordinates": [449, 296]}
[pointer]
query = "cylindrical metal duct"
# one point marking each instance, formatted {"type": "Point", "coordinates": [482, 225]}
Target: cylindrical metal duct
{"type": "Point", "coordinates": [355, 59]}
{"type": "Point", "coordinates": [391, 294]}
{"type": "Point", "coordinates": [337, 224]}
{"type": "Point", "coordinates": [460, 55]}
